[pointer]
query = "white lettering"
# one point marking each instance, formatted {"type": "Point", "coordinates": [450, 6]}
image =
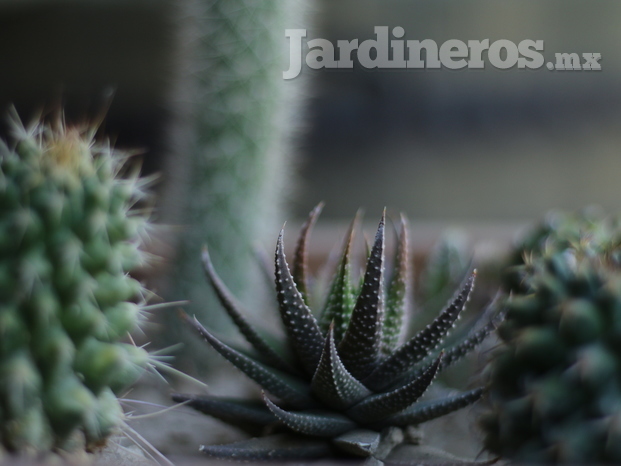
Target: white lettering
{"type": "Point", "coordinates": [295, 52]}
{"type": "Point", "coordinates": [494, 56]}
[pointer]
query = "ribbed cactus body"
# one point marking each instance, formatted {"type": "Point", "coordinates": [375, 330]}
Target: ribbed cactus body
{"type": "Point", "coordinates": [237, 168]}
{"type": "Point", "coordinates": [555, 384]}
{"type": "Point", "coordinates": [68, 238]}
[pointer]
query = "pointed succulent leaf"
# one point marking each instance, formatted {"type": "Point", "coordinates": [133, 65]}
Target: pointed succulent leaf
{"type": "Point", "coordinates": [300, 258]}
{"type": "Point", "coordinates": [419, 346]}
{"type": "Point", "coordinates": [315, 423]}
{"type": "Point", "coordinates": [241, 347]}
{"type": "Point", "coordinates": [235, 311]}
{"type": "Point", "coordinates": [331, 383]}
{"type": "Point", "coordinates": [300, 324]}
{"type": "Point", "coordinates": [461, 349]}
{"type": "Point", "coordinates": [451, 355]}
{"type": "Point", "coordinates": [428, 410]}
{"type": "Point", "coordinates": [341, 299]}
{"type": "Point", "coordinates": [272, 380]}
{"type": "Point", "coordinates": [273, 447]}
{"type": "Point", "coordinates": [473, 338]}
{"type": "Point", "coordinates": [378, 407]}
{"type": "Point", "coordinates": [397, 294]}
{"type": "Point", "coordinates": [251, 416]}
{"type": "Point", "coordinates": [359, 348]}
{"type": "Point", "coordinates": [359, 442]}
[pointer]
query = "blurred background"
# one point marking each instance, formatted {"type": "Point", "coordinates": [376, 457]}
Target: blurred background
{"type": "Point", "coordinates": [463, 146]}
{"type": "Point", "coordinates": [468, 144]}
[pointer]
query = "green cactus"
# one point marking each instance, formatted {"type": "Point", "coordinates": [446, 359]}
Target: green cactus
{"type": "Point", "coordinates": [69, 235]}
{"type": "Point", "coordinates": [347, 380]}
{"type": "Point", "coordinates": [242, 118]}
{"type": "Point", "coordinates": [554, 386]}
{"type": "Point", "coordinates": [589, 228]}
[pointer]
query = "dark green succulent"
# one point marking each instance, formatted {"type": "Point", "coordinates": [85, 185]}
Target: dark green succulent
{"type": "Point", "coordinates": [555, 384]}
{"type": "Point", "coordinates": [345, 381]}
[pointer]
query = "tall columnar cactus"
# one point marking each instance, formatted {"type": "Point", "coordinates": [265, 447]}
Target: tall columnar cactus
{"type": "Point", "coordinates": [237, 168]}
{"type": "Point", "coordinates": [347, 379]}
{"type": "Point", "coordinates": [68, 238]}
{"type": "Point", "coordinates": [555, 384]}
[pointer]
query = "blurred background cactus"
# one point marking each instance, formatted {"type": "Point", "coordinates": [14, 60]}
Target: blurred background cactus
{"type": "Point", "coordinates": [69, 235]}
{"type": "Point", "coordinates": [554, 383]}
{"type": "Point", "coordinates": [237, 170]}
{"type": "Point", "coordinates": [587, 230]}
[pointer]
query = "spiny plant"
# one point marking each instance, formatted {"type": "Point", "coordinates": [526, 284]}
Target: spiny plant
{"type": "Point", "coordinates": [69, 235]}
{"type": "Point", "coordinates": [244, 116]}
{"type": "Point", "coordinates": [345, 380]}
{"type": "Point", "coordinates": [555, 384]}
{"type": "Point", "coordinates": [589, 228]}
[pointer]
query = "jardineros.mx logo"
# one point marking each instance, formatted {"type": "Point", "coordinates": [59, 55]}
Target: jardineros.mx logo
{"type": "Point", "coordinates": [390, 51]}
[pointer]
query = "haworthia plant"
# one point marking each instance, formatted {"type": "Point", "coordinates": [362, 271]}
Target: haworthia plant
{"type": "Point", "coordinates": [349, 378]}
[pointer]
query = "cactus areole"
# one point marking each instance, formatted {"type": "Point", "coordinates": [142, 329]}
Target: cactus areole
{"type": "Point", "coordinates": [346, 379]}
{"type": "Point", "coordinates": [68, 238]}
